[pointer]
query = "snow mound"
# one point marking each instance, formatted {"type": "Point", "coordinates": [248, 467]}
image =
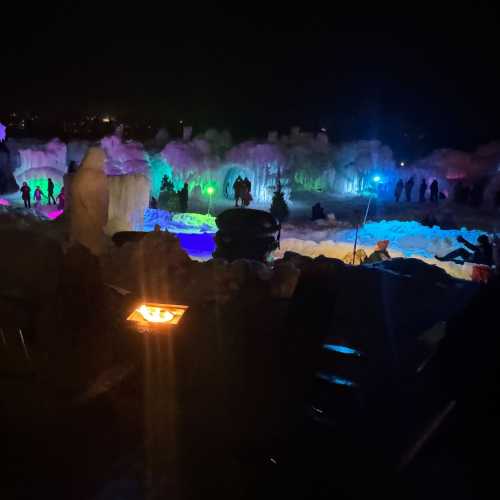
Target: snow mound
{"type": "Point", "coordinates": [407, 239]}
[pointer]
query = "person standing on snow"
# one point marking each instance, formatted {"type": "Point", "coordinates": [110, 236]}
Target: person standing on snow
{"type": "Point", "coordinates": [37, 196]}
{"type": "Point", "coordinates": [238, 183]}
{"type": "Point", "coordinates": [50, 191]}
{"type": "Point", "coordinates": [434, 191]}
{"type": "Point", "coordinates": [25, 194]}
{"type": "Point", "coordinates": [423, 189]}
{"type": "Point", "coordinates": [409, 188]}
{"type": "Point", "coordinates": [399, 190]}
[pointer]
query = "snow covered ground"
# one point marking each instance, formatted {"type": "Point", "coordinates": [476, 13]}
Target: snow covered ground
{"type": "Point", "coordinates": [329, 238]}
{"type": "Point", "coordinates": [407, 239]}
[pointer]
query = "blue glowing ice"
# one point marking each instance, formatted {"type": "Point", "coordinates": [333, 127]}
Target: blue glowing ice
{"type": "Point", "coordinates": [342, 349]}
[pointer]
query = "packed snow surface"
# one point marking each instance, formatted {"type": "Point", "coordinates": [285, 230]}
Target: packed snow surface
{"type": "Point", "coordinates": [329, 238]}
{"type": "Point", "coordinates": [407, 239]}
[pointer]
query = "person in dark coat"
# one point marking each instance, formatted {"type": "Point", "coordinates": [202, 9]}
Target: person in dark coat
{"type": "Point", "coordinates": [317, 212]}
{"type": "Point", "coordinates": [423, 189]}
{"type": "Point", "coordinates": [434, 191]}
{"type": "Point", "coordinates": [482, 253]}
{"type": "Point", "coordinates": [247, 184]}
{"type": "Point", "coordinates": [409, 188]}
{"type": "Point", "coordinates": [458, 192]}
{"type": "Point", "coordinates": [399, 190]}
{"type": "Point", "coordinates": [50, 191]}
{"type": "Point", "coordinates": [183, 197]}
{"type": "Point", "coordinates": [153, 203]}
{"type": "Point", "coordinates": [60, 200]}
{"type": "Point", "coordinates": [237, 187]}
{"type": "Point", "coordinates": [25, 194]}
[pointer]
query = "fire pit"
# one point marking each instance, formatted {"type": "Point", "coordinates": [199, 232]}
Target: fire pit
{"type": "Point", "coordinates": [152, 317]}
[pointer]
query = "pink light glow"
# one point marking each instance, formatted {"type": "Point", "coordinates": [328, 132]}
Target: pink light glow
{"type": "Point", "coordinates": [55, 214]}
{"type": "Point", "coordinates": [4, 203]}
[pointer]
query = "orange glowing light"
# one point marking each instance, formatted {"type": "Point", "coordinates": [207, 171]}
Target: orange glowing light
{"type": "Point", "coordinates": [157, 315]}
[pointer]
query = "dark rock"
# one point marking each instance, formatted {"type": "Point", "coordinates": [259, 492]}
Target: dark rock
{"type": "Point", "coordinates": [122, 237]}
{"type": "Point", "coordinates": [245, 234]}
{"type": "Point", "coordinates": [30, 270]}
{"type": "Point", "coordinates": [82, 289]}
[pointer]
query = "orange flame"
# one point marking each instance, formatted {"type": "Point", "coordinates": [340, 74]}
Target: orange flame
{"type": "Point", "coordinates": [154, 314]}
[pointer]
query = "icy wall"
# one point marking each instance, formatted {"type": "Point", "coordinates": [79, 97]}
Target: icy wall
{"type": "Point", "coordinates": [260, 162]}
{"type": "Point", "coordinates": [76, 151]}
{"type": "Point", "coordinates": [124, 157]}
{"type": "Point", "coordinates": [37, 163]}
{"type": "Point", "coordinates": [128, 199]}
{"type": "Point", "coordinates": [192, 162]}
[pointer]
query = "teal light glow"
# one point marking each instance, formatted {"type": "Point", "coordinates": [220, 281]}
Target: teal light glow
{"type": "Point", "coordinates": [158, 167]}
{"type": "Point", "coordinates": [41, 182]}
{"type": "Point", "coordinates": [334, 379]}
{"type": "Point", "coordinates": [342, 349]}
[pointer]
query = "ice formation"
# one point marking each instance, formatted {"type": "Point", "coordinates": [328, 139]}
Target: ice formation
{"type": "Point", "coordinates": [124, 157]}
{"type": "Point", "coordinates": [37, 163]}
{"type": "Point", "coordinates": [89, 202]}
{"type": "Point", "coordinates": [128, 199]}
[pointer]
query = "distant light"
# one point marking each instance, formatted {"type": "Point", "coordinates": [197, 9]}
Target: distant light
{"type": "Point", "coordinates": [210, 190]}
{"type": "Point", "coordinates": [377, 178]}
{"type": "Point", "coordinates": [180, 121]}
{"type": "Point", "coordinates": [106, 119]}
{"type": "Point", "coordinates": [402, 163]}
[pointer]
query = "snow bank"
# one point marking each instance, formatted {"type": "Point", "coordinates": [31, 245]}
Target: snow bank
{"type": "Point", "coordinates": [188, 223]}
{"type": "Point", "coordinates": [407, 239]}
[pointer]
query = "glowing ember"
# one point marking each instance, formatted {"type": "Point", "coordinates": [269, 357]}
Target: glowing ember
{"type": "Point", "coordinates": [154, 314]}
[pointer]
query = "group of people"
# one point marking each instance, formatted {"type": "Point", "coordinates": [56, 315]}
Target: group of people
{"type": "Point", "coordinates": [408, 188]}
{"type": "Point", "coordinates": [38, 194]}
{"type": "Point", "coordinates": [242, 191]}
{"type": "Point", "coordinates": [468, 195]}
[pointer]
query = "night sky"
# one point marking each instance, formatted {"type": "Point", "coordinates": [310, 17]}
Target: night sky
{"type": "Point", "coordinates": [417, 78]}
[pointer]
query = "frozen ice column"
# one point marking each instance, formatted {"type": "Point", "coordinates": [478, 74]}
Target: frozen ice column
{"type": "Point", "coordinates": [89, 202]}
